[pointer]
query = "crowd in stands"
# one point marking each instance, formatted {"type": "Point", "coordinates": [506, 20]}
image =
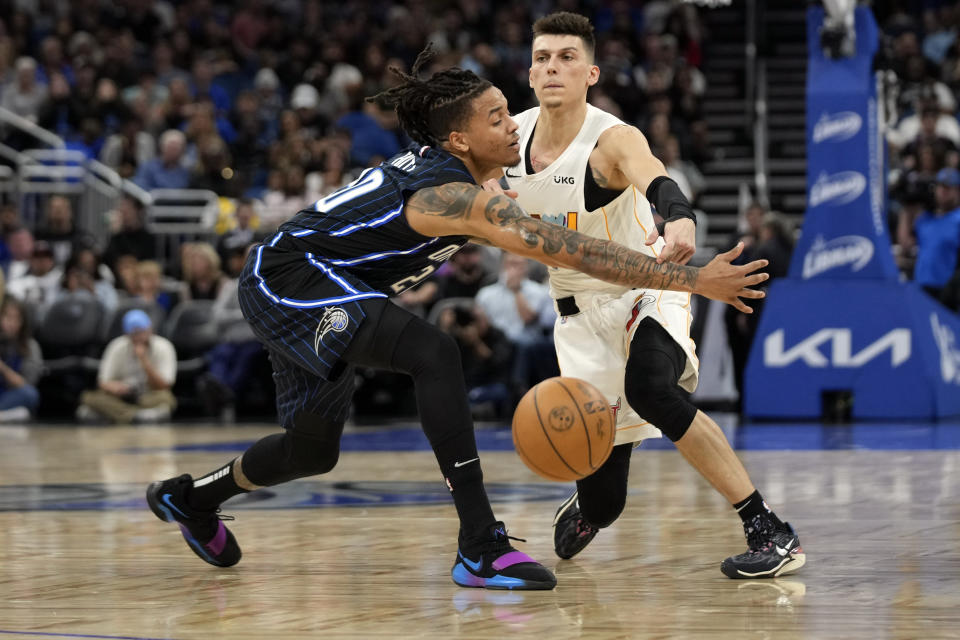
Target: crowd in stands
{"type": "Point", "coordinates": [921, 55]}
{"type": "Point", "coordinates": [262, 102]}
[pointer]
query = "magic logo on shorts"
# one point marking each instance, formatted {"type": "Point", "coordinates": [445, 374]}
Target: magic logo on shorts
{"type": "Point", "coordinates": [334, 319]}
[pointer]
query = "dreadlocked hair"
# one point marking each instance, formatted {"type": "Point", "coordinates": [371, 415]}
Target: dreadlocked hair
{"type": "Point", "coordinates": [430, 109]}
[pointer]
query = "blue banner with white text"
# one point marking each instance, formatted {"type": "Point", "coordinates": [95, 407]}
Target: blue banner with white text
{"type": "Point", "coordinates": [845, 232]}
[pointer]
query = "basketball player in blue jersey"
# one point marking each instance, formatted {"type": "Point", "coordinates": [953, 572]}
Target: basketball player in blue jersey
{"type": "Point", "coordinates": [584, 169]}
{"type": "Point", "coordinates": [317, 294]}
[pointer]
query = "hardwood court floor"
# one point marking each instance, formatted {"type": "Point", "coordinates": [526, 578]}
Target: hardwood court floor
{"type": "Point", "coordinates": [80, 556]}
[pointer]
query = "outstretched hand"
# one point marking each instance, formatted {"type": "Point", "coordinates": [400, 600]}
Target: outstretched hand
{"type": "Point", "coordinates": [681, 241]}
{"type": "Point", "coordinates": [721, 280]}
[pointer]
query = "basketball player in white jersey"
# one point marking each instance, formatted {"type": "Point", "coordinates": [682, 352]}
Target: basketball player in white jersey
{"type": "Point", "coordinates": [584, 169]}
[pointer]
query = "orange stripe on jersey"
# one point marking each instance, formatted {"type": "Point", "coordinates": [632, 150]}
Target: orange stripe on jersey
{"type": "Point", "coordinates": [693, 345]}
{"type": "Point", "coordinates": [633, 426]}
{"type": "Point", "coordinates": [607, 226]}
{"type": "Point", "coordinates": [572, 220]}
{"type": "Point", "coordinates": [636, 217]}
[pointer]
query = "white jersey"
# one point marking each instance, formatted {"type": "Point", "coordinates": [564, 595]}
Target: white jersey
{"type": "Point", "coordinates": [556, 195]}
{"type": "Point", "coordinates": [594, 344]}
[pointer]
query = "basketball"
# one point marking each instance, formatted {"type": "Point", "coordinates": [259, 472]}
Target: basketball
{"type": "Point", "coordinates": [563, 429]}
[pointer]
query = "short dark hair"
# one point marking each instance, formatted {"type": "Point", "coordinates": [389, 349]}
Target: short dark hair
{"type": "Point", "coordinates": [430, 109]}
{"type": "Point", "coordinates": [564, 23]}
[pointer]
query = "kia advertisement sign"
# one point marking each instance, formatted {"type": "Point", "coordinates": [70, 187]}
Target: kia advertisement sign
{"type": "Point", "coordinates": [887, 343]}
{"type": "Point", "coordinates": [841, 324]}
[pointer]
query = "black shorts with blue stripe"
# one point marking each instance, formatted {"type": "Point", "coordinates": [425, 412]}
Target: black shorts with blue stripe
{"type": "Point", "coordinates": [306, 313]}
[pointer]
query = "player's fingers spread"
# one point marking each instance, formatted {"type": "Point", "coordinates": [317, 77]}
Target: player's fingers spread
{"type": "Point", "coordinates": [752, 293]}
{"type": "Point", "coordinates": [757, 278]}
{"type": "Point", "coordinates": [756, 265]}
{"type": "Point", "coordinates": [740, 306]}
{"type": "Point", "coordinates": [730, 256]}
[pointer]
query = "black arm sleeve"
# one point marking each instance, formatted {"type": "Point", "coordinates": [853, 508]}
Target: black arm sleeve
{"type": "Point", "coordinates": [670, 202]}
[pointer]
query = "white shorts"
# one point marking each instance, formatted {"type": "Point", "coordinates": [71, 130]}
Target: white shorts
{"type": "Point", "coordinates": [593, 345]}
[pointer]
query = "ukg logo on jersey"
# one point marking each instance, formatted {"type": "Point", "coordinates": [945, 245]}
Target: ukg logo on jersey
{"type": "Point", "coordinates": [949, 353]}
{"type": "Point", "coordinates": [837, 189]}
{"type": "Point", "coordinates": [837, 127]}
{"type": "Point", "coordinates": [844, 251]}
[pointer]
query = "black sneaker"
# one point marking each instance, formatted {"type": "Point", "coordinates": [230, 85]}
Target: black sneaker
{"type": "Point", "coordinates": [773, 551]}
{"type": "Point", "coordinates": [571, 533]}
{"type": "Point", "coordinates": [495, 564]}
{"type": "Point", "coordinates": [204, 531]}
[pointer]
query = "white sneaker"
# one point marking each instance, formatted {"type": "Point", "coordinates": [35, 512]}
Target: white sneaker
{"type": "Point", "coordinates": [152, 415]}
{"type": "Point", "coordinates": [86, 415]}
{"type": "Point", "coordinates": [16, 414]}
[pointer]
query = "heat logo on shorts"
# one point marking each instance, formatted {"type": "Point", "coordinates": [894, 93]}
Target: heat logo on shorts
{"type": "Point", "coordinates": [334, 319]}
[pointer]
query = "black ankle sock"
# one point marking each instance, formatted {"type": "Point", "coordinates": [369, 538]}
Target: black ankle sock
{"type": "Point", "coordinates": [210, 491]}
{"type": "Point", "coordinates": [753, 506]}
{"type": "Point", "coordinates": [460, 465]}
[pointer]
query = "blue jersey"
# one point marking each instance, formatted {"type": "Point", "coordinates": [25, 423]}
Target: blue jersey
{"type": "Point", "coordinates": [360, 231]}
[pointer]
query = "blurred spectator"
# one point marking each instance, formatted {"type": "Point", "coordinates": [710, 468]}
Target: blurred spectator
{"type": "Point", "coordinates": [232, 359]}
{"type": "Point", "coordinates": [201, 271]}
{"type": "Point", "coordinates": [270, 102]}
{"type": "Point", "coordinates": [286, 194]}
{"type": "Point", "coordinates": [773, 241]}
{"type": "Point", "coordinates": [39, 284]}
{"type": "Point", "coordinates": [486, 354]}
{"type": "Point", "coordinates": [132, 238]}
{"type": "Point", "coordinates": [137, 371]}
{"type": "Point", "coordinates": [748, 231]}
{"type": "Point", "coordinates": [149, 286]}
{"type": "Point", "coordinates": [21, 363]}
{"type": "Point", "coordinates": [937, 235]}
{"type": "Point", "coordinates": [20, 242]}
{"type": "Point", "coordinates": [909, 128]}
{"type": "Point", "coordinates": [204, 87]}
{"type": "Point", "coordinates": [333, 173]}
{"type": "Point", "coordinates": [213, 170]}
{"type": "Point", "coordinates": [240, 236]}
{"type": "Point", "coordinates": [125, 274]}
{"type": "Point", "coordinates": [944, 150]}
{"type": "Point", "coordinates": [130, 147]}
{"type": "Point", "coordinates": [687, 176]}
{"type": "Point", "coordinates": [370, 138]}
{"type": "Point", "coordinates": [58, 112]}
{"type": "Point", "coordinates": [82, 278]}
{"type": "Point", "coordinates": [59, 229]}
{"type": "Point", "coordinates": [25, 96]}
{"type": "Point", "coordinates": [168, 170]}
{"type": "Point", "coordinates": [516, 305]}
{"type": "Point", "coordinates": [523, 310]}
{"type": "Point", "coordinates": [464, 274]}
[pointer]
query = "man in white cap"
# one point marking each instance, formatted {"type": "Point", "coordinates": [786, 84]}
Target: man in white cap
{"type": "Point", "coordinates": [136, 375]}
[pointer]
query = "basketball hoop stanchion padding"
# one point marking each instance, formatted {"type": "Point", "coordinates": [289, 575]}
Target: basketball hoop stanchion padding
{"type": "Point", "coordinates": [841, 322]}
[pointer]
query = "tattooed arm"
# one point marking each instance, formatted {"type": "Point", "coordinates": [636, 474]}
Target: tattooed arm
{"type": "Point", "coordinates": [464, 209]}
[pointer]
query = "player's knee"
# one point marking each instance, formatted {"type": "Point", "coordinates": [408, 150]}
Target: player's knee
{"type": "Point", "coordinates": [310, 456]}
{"type": "Point", "coordinates": [652, 391]}
{"type": "Point", "coordinates": [438, 356]}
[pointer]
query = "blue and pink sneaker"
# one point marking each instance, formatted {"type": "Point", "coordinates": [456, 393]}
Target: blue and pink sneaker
{"type": "Point", "coordinates": [204, 531]}
{"type": "Point", "coordinates": [495, 564]}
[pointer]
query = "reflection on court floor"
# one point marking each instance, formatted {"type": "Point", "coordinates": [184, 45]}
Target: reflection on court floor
{"type": "Point", "coordinates": [366, 550]}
